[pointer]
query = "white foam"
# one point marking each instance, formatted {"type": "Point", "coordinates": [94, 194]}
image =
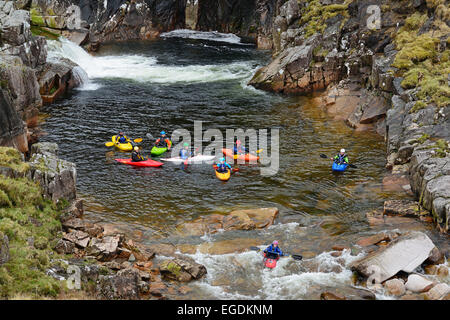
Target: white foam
{"type": "Point", "coordinates": [145, 68]}
{"type": "Point", "coordinates": [203, 35]}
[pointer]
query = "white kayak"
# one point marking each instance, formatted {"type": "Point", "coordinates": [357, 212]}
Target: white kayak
{"type": "Point", "coordinates": [196, 159]}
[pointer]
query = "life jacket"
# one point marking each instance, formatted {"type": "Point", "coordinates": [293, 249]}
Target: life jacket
{"type": "Point", "coordinates": [184, 154]}
{"type": "Point", "coordinates": [222, 167]}
{"type": "Point", "coordinates": [162, 142]}
{"type": "Point", "coordinates": [135, 156]}
{"type": "Point", "coordinates": [122, 139]}
{"type": "Point", "coordinates": [272, 249]}
{"type": "Point", "coordinates": [340, 159]}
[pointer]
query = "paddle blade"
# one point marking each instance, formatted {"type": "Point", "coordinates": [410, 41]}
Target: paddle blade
{"type": "Point", "coordinates": [296, 257]}
{"type": "Point", "coordinates": [323, 156]}
{"type": "Point", "coordinates": [353, 166]}
{"type": "Point", "coordinates": [235, 169]}
{"type": "Point", "coordinates": [259, 151]}
{"type": "Point", "coordinates": [109, 144]}
{"type": "Point", "coordinates": [138, 140]}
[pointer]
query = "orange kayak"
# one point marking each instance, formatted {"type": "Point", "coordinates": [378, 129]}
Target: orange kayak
{"type": "Point", "coordinates": [246, 157]}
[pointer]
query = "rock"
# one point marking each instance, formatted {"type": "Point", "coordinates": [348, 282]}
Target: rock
{"type": "Point", "coordinates": [65, 247]}
{"type": "Point", "coordinates": [435, 257]}
{"type": "Point", "coordinates": [124, 285]}
{"type": "Point", "coordinates": [238, 220]}
{"type": "Point", "coordinates": [182, 269]}
{"type": "Point", "coordinates": [104, 249]}
{"type": "Point", "coordinates": [79, 238]}
{"type": "Point", "coordinates": [4, 248]}
{"type": "Point", "coordinates": [405, 253]}
{"type": "Point", "coordinates": [438, 291]}
{"type": "Point", "coordinates": [79, 224]}
{"type": "Point", "coordinates": [369, 241]}
{"type": "Point", "coordinates": [395, 287]}
{"type": "Point", "coordinates": [406, 208]}
{"type": "Point", "coordinates": [75, 211]}
{"type": "Point", "coordinates": [331, 296]}
{"type": "Point", "coordinates": [417, 283]}
{"type": "Point", "coordinates": [57, 177]}
{"type": "Point", "coordinates": [442, 271]}
{"type": "Point", "coordinates": [338, 247]}
{"type": "Point", "coordinates": [261, 217]}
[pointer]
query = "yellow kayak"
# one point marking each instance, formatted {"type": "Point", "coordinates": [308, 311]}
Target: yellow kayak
{"type": "Point", "coordinates": [122, 146]}
{"type": "Point", "coordinates": [223, 176]}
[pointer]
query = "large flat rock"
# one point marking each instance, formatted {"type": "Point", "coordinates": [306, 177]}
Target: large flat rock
{"type": "Point", "coordinates": [405, 253]}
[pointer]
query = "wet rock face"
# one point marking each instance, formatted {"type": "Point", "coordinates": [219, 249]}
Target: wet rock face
{"type": "Point", "coordinates": [182, 269]}
{"type": "Point", "coordinates": [124, 285]}
{"type": "Point", "coordinates": [57, 177]}
{"type": "Point", "coordinates": [112, 20]}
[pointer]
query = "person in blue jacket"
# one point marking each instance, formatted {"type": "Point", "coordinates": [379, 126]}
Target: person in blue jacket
{"type": "Point", "coordinates": [121, 138]}
{"type": "Point", "coordinates": [273, 251]}
{"type": "Point", "coordinates": [239, 148]}
{"type": "Point", "coordinates": [222, 166]}
{"type": "Point", "coordinates": [185, 152]}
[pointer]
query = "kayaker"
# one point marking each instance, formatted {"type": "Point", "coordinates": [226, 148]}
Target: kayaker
{"type": "Point", "coordinates": [273, 250]}
{"type": "Point", "coordinates": [121, 138]}
{"type": "Point", "coordinates": [239, 148]}
{"type": "Point", "coordinates": [222, 166]}
{"type": "Point", "coordinates": [185, 152]}
{"type": "Point", "coordinates": [341, 157]}
{"type": "Point", "coordinates": [136, 155]}
{"type": "Point", "coordinates": [163, 141]}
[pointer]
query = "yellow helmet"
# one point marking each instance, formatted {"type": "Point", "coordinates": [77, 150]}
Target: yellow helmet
{"type": "Point", "coordinates": [136, 148]}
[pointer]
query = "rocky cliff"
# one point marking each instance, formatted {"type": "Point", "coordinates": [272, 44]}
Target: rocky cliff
{"type": "Point", "coordinates": [26, 77]}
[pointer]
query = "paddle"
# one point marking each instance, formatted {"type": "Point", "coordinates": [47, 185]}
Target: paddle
{"type": "Point", "coordinates": [325, 157]}
{"type": "Point", "coordinates": [111, 144]}
{"type": "Point", "coordinates": [293, 256]}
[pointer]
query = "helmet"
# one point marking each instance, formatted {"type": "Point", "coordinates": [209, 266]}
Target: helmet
{"type": "Point", "coordinates": [163, 132]}
{"type": "Point", "coordinates": [136, 148]}
{"type": "Point", "coordinates": [222, 159]}
{"type": "Point", "coordinates": [275, 242]}
{"type": "Point", "coordinates": [121, 133]}
{"type": "Point", "coordinates": [342, 150]}
{"type": "Point", "coordinates": [238, 142]}
{"type": "Point", "coordinates": [186, 144]}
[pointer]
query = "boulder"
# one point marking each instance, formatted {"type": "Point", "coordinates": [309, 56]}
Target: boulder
{"type": "Point", "coordinates": [261, 217]}
{"type": "Point", "coordinates": [79, 238]}
{"type": "Point", "coordinates": [182, 269]}
{"type": "Point", "coordinates": [57, 177]}
{"type": "Point", "coordinates": [395, 287]}
{"type": "Point", "coordinates": [4, 248]}
{"type": "Point", "coordinates": [405, 253]}
{"type": "Point", "coordinates": [79, 224]}
{"type": "Point", "coordinates": [331, 296]}
{"type": "Point", "coordinates": [369, 241]}
{"type": "Point", "coordinates": [64, 247]}
{"type": "Point", "coordinates": [123, 286]}
{"type": "Point", "coordinates": [406, 208]}
{"type": "Point", "coordinates": [417, 283]}
{"type": "Point", "coordinates": [104, 249]}
{"type": "Point", "coordinates": [438, 292]}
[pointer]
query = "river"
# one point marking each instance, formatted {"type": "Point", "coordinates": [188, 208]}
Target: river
{"type": "Point", "coordinates": [167, 84]}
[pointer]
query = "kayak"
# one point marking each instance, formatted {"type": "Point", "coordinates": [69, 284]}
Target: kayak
{"type": "Point", "coordinates": [157, 151]}
{"type": "Point", "coordinates": [223, 176]}
{"type": "Point", "coordinates": [246, 157]}
{"type": "Point", "coordinates": [146, 163]}
{"type": "Point", "coordinates": [270, 262]}
{"type": "Point", "coordinates": [122, 146]}
{"type": "Point", "coordinates": [196, 159]}
{"type": "Point", "coordinates": [339, 167]}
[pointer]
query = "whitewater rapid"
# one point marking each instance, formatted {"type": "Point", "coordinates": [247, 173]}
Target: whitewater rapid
{"type": "Point", "coordinates": [145, 68]}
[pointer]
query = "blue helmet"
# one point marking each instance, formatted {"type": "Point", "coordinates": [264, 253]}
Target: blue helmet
{"type": "Point", "coordinates": [163, 132]}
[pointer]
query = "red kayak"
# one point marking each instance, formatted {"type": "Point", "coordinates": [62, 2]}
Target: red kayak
{"type": "Point", "coordinates": [270, 262]}
{"type": "Point", "coordinates": [146, 163]}
{"type": "Point", "coordinates": [247, 157]}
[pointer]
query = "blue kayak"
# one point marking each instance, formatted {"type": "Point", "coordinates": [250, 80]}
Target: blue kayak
{"type": "Point", "coordinates": [339, 167]}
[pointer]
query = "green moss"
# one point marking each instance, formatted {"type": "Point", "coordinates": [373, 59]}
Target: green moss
{"type": "Point", "coordinates": [314, 15]}
{"type": "Point", "coordinates": [39, 31]}
{"type": "Point", "coordinates": [10, 157]}
{"type": "Point", "coordinates": [24, 215]}
{"type": "Point", "coordinates": [36, 18]}
{"type": "Point", "coordinates": [423, 138]}
{"type": "Point", "coordinates": [441, 148]}
{"type": "Point", "coordinates": [418, 106]}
